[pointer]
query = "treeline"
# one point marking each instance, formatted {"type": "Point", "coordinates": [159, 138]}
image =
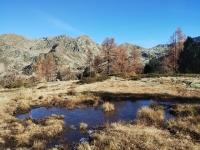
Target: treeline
{"type": "Point", "coordinates": [113, 60]}
{"type": "Point", "coordinates": [183, 57]}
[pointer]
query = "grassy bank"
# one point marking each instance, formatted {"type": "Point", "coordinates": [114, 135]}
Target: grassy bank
{"type": "Point", "coordinates": [29, 133]}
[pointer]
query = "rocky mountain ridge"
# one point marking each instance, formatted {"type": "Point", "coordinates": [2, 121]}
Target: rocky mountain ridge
{"type": "Point", "coordinates": [18, 52]}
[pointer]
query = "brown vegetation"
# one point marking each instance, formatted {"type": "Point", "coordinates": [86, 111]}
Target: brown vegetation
{"type": "Point", "coordinates": [149, 131]}
{"type": "Point", "coordinates": [83, 126]}
{"type": "Point", "coordinates": [45, 68]}
{"type": "Point", "coordinates": [148, 116]}
{"type": "Point", "coordinates": [121, 135]}
{"type": "Point", "coordinates": [107, 106]}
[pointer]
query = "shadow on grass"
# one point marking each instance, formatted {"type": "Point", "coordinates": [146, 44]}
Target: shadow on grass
{"type": "Point", "coordinates": [107, 96]}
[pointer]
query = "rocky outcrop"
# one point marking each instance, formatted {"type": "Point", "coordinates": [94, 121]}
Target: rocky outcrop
{"type": "Point", "coordinates": [18, 52]}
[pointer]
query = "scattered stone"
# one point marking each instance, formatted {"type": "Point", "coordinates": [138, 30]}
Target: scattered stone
{"type": "Point", "coordinates": [84, 140]}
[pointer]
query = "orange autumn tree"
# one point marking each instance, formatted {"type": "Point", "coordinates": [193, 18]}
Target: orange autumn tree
{"type": "Point", "coordinates": [134, 60]}
{"type": "Point", "coordinates": [45, 68]}
{"type": "Point", "coordinates": [120, 63]}
{"type": "Point", "coordinates": [108, 47]}
{"type": "Point", "coordinates": [98, 66]}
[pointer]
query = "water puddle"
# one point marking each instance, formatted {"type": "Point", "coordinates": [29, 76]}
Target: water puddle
{"type": "Point", "coordinates": [93, 116]}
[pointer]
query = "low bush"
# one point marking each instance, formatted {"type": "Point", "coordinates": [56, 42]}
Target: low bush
{"type": "Point", "coordinates": [88, 80]}
{"type": "Point", "coordinates": [102, 78]}
{"type": "Point", "coordinates": [135, 78]}
{"type": "Point", "coordinates": [121, 75]}
{"type": "Point", "coordinates": [19, 84]}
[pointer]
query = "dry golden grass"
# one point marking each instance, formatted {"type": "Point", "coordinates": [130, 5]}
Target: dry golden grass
{"type": "Point", "coordinates": [19, 128]}
{"type": "Point", "coordinates": [186, 127]}
{"type": "Point", "coordinates": [22, 139]}
{"type": "Point", "coordinates": [120, 136]}
{"type": "Point", "coordinates": [38, 145]}
{"type": "Point", "coordinates": [83, 126]}
{"type": "Point", "coordinates": [107, 106]}
{"type": "Point", "coordinates": [155, 106]}
{"type": "Point", "coordinates": [84, 146]}
{"type": "Point", "coordinates": [185, 109]}
{"type": "Point", "coordinates": [24, 99]}
{"type": "Point", "coordinates": [148, 116]}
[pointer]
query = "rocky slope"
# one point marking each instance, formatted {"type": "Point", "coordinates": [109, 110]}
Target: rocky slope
{"type": "Point", "coordinates": [18, 52]}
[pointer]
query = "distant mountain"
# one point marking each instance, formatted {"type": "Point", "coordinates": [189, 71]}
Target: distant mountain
{"type": "Point", "coordinates": [19, 53]}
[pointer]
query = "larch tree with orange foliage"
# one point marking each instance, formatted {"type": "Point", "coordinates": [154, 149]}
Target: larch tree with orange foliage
{"type": "Point", "coordinates": [108, 47]}
{"type": "Point", "coordinates": [38, 67]}
{"type": "Point", "coordinates": [120, 63]}
{"type": "Point", "coordinates": [98, 67]}
{"type": "Point", "coordinates": [46, 68]}
{"type": "Point", "coordinates": [135, 59]}
{"type": "Point", "coordinates": [50, 69]}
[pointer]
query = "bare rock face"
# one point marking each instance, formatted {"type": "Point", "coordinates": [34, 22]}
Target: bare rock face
{"type": "Point", "coordinates": [18, 52]}
{"type": "Point", "coordinates": [146, 54]}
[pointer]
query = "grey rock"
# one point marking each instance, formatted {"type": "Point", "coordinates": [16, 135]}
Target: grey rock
{"type": "Point", "coordinates": [18, 52]}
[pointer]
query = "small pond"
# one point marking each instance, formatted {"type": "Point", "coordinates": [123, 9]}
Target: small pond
{"type": "Point", "coordinates": [93, 116]}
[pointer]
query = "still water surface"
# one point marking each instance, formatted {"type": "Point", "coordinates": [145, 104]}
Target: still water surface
{"type": "Point", "coordinates": [93, 116]}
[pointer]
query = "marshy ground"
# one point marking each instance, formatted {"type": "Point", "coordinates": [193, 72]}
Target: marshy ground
{"type": "Point", "coordinates": [149, 130]}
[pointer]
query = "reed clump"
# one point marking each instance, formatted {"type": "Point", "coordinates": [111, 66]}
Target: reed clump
{"type": "Point", "coordinates": [107, 106]}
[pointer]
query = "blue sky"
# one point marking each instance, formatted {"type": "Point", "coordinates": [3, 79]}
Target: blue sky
{"type": "Point", "coordinates": [141, 22]}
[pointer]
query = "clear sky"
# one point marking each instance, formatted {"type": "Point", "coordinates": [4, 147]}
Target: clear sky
{"type": "Point", "coordinates": [145, 23]}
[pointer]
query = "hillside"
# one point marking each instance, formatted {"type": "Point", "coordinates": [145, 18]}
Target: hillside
{"type": "Point", "coordinates": [18, 52]}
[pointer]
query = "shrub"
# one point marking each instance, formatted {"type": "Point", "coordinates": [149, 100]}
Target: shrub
{"type": "Point", "coordinates": [19, 84]}
{"type": "Point", "coordinates": [137, 77]}
{"type": "Point", "coordinates": [108, 106]}
{"type": "Point", "coordinates": [88, 80]}
{"type": "Point", "coordinates": [148, 116]}
{"type": "Point", "coordinates": [102, 78]}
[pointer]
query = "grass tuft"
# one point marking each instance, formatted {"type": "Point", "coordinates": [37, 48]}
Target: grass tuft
{"type": "Point", "coordinates": [107, 106]}
{"type": "Point", "coordinates": [38, 145]}
{"type": "Point", "coordinates": [84, 146]}
{"type": "Point", "coordinates": [83, 126]}
{"type": "Point", "coordinates": [148, 116]}
{"type": "Point", "coordinates": [22, 139]}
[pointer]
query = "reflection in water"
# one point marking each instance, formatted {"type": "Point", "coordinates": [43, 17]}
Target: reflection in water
{"type": "Point", "coordinates": [93, 116]}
